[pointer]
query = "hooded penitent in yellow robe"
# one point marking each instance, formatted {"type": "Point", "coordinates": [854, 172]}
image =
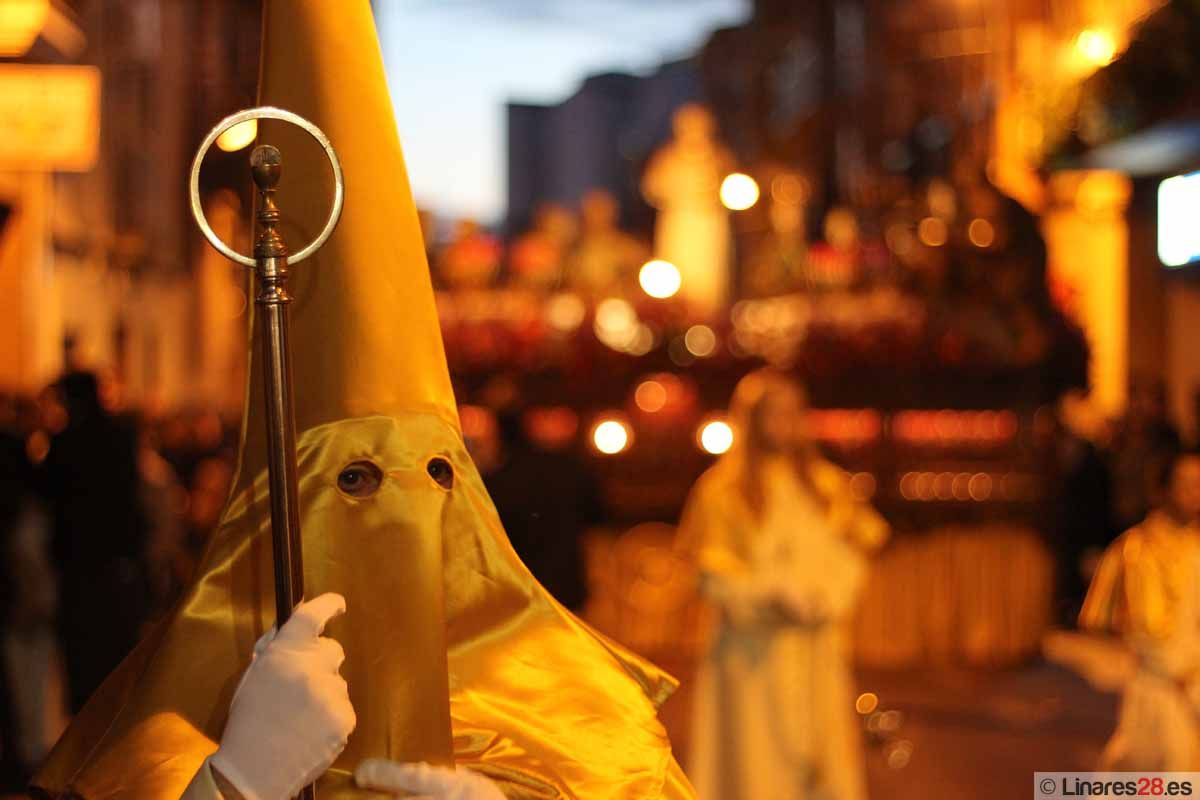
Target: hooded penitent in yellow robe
{"type": "Point", "coordinates": [773, 714]}
{"type": "Point", "coordinates": [454, 653]}
{"type": "Point", "coordinates": [1147, 588]}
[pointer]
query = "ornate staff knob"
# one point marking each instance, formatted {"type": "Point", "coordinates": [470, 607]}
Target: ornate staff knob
{"type": "Point", "coordinates": [265, 167]}
{"type": "Point", "coordinates": [265, 163]}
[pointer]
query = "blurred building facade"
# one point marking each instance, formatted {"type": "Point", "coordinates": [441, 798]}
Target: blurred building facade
{"type": "Point", "coordinates": [858, 97]}
{"type": "Point", "coordinates": [596, 139]}
{"type": "Point", "coordinates": [100, 260]}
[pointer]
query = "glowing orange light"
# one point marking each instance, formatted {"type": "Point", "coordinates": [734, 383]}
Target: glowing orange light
{"type": "Point", "coordinates": [1096, 46]}
{"type": "Point", "coordinates": [650, 396]}
{"type": "Point", "coordinates": [20, 23]}
{"type": "Point", "coordinates": [866, 702]}
{"type": "Point", "coordinates": [238, 136]}
{"type": "Point", "coordinates": [959, 488]}
{"type": "Point", "coordinates": [641, 342]}
{"type": "Point", "coordinates": [863, 485]}
{"type": "Point", "coordinates": [739, 191]}
{"type": "Point", "coordinates": [981, 233]}
{"type": "Point", "coordinates": [898, 754]}
{"type": "Point", "coordinates": [943, 485]}
{"type": "Point", "coordinates": [716, 437]}
{"type": "Point", "coordinates": [932, 232]}
{"type": "Point", "coordinates": [980, 486]}
{"type": "Point", "coordinates": [700, 341]}
{"type": "Point", "coordinates": [37, 446]}
{"type": "Point", "coordinates": [565, 312]}
{"type": "Point", "coordinates": [610, 437]}
{"type": "Point", "coordinates": [660, 279]}
{"type": "Point", "coordinates": [616, 323]}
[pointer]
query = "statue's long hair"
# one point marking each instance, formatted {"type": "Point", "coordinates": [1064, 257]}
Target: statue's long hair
{"type": "Point", "coordinates": [751, 449]}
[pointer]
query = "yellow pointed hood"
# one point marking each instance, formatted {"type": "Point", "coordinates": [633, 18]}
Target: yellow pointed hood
{"type": "Point", "coordinates": [453, 650]}
{"type": "Point", "coordinates": [365, 335]}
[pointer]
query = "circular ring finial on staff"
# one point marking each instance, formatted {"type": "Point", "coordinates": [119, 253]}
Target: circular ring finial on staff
{"type": "Point", "coordinates": [267, 112]}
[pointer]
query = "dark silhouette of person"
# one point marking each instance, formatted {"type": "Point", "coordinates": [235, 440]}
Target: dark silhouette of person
{"type": "Point", "coordinates": [1081, 518]}
{"type": "Point", "coordinates": [1145, 441]}
{"type": "Point", "coordinates": [90, 482]}
{"type": "Point", "coordinates": [15, 487]}
{"type": "Point", "coordinates": [547, 500]}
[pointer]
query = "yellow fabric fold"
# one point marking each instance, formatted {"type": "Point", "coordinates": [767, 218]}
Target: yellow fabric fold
{"type": "Point", "coordinates": [537, 700]}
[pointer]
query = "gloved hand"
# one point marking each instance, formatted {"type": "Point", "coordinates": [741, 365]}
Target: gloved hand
{"type": "Point", "coordinates": [291, 714]}
{"type": "Point", "coordinates": [430, 783]}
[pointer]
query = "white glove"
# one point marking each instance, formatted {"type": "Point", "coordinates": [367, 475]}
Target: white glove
{"type": "Point", "coordinates": [430, 783]}
{"type": "Point", "coordinates": [291, 714]}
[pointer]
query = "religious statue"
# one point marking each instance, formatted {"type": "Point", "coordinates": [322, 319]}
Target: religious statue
{"type": "Point", "coordinates": [683, 181]}
{"type": "Point", "coordinates": [835, 263]}
{"type": "Point", "coordinates": [778, 263]}
{"type": "Point", "coordinates": [536, 258]}
{"type": "Point", "coordinates": [472, 258]}
{"type": "Point", "coordinates": [606, 260]}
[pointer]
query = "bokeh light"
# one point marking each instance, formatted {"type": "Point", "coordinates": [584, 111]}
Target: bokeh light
{"type": "Point", "coordinates": [981, 233]}
{"type": "Point", "coordinates": [565, 312]}
{"type": "Point", "coordinates": [932, 232]}
{"type": "Point", "coordinates": [739, 191]}
{"type": "Point", "coordinates": [616, 323]}
{"type": "Point", "coordinates": [650, 396]}
{"type": "Point", "coordinates": [660, 279]}
{"type": "Point", "coordinates": [716, 437]}
{"type": "Point", "coordinates": [642, 341]}
{"type": "Point", "coordinates": [1097, 47]}
{"type": "Point", "coordinates": [700, 341]}
{"type": "Point", "coordinates": [610, 436]}
{"type": "Point", "coordinates": [238, 136]}
{"type": "Point", "coordinates": [863, 485]}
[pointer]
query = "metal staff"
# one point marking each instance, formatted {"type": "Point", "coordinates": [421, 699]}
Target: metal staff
{"type": "Point", "coordinates": [270, 264]}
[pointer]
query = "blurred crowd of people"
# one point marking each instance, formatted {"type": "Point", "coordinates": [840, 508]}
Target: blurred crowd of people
{"type": "Point", "coordinates": [103, 515]}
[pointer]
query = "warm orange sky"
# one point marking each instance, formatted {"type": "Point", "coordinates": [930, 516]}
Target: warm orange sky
{"type": "Point", "coordinates": [452, 64]}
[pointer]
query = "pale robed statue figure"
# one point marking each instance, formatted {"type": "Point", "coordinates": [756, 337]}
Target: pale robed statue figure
{"type": "Point", "coordinates": [781, 541]}
{"type": "Point", "coordinates": [692, 229]}
{"type": "Point", "coordinates": [426, 659]}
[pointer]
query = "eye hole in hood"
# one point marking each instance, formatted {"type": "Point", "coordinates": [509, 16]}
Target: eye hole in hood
{"type": "Point", "coordinates": [360, 479]}
{"type": "Point", "coordinates": [442, 473]}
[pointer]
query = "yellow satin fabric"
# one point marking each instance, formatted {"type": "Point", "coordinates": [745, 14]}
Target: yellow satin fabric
{"type": "Point", "coordinates": [453, 650]}
{"type": "Point", "coordinates": [365, 335]}
{"type": "Point", "coordinates": [538, 701]}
